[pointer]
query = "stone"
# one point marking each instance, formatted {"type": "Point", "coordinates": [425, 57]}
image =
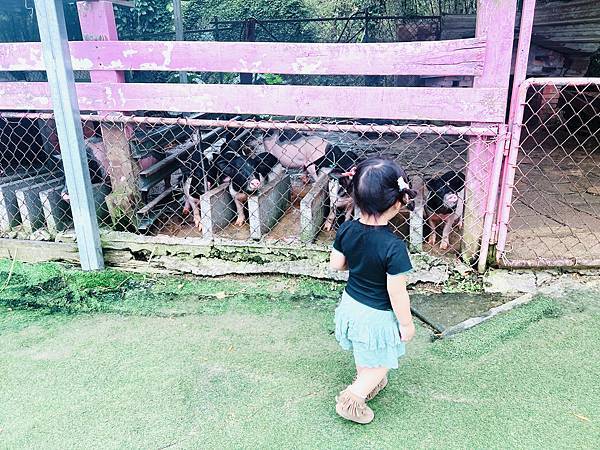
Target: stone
{"type": "Point", "coordinates": [545, 277]}
{"type": "Point", "coordinates": [506, 282]}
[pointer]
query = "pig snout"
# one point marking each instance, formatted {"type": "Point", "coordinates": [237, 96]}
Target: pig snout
{"type": "Point", "coordinates": [253, 184]}
{"type": "Point", "coordinates": [65, 195]}
{"type": "Point", "coordinates": [450, 200]}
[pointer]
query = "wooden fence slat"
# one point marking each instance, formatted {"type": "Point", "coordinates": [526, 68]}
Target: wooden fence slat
{"type": "Point", "coordinates": [484, 104]}
{"type": "Point", "coordinates": [439, 58]}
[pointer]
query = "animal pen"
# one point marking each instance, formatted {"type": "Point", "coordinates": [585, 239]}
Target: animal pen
{"type": "Point", "coordinates": [531, 191]}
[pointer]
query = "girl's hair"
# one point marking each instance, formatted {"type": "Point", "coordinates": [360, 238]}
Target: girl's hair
{"type": "Point", "coordinates": [378, 184]}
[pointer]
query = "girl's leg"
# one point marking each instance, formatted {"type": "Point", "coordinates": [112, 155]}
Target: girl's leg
{"type": "Point", "coordinates": [367, 379]}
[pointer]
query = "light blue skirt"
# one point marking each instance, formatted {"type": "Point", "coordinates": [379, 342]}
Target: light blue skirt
{"type": "Point", "coordinates": [372, 334]}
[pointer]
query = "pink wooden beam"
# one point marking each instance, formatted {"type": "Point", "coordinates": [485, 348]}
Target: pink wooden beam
{"type": "Point", "coordinates": [457, 57]}
{"type": "Point", "coordinates": [448, 104]}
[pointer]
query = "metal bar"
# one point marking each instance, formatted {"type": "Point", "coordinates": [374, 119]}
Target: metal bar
{"type": "Point", "coordinates": [520, 71]}
{"type": "Point", "coordinates": [53, 33]}
{"type": "Point", "coordinates": [490, 131]}
{"type": "Point", "coordinates": [327, 19]}
{"type": "Point", "coordinates": [179, 33]}
{"type": "Point", "coordinates": [185, 32]}
{"type": "Point", "coordinates": [488, 220]}
{"type": "Point", "coordinates": [511, 167]}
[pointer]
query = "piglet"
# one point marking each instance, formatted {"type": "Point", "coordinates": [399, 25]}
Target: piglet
{"type": "Point", "coordinates": [247, 174]}
{"type": "Point", "coordinates": [199, 176]}
{"type": "Point", "coordinates": [340, 188]}
{"type": "Point", "coordinates": [445, 204]}
{"type": "Point", "coordinates": [97, 162]}
{"type": "Point", "coordinates": [298, 151]}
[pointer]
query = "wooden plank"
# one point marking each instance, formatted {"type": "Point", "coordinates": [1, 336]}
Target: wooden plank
{"type": "Point", "coordinates": [482, 105]}
{"type": "Point", "coordinates": [37, 251]}
{"type": "Point", "coordinates": [456, 57]}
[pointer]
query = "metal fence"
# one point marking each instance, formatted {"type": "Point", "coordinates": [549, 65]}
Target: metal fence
{"type": "Point", "coordinates": [550, 213]}
{"type": "Point", "coordinates": [254, 180]}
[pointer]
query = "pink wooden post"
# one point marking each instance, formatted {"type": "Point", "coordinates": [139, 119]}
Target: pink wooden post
{"type": "Point", "coordinates": [97, 19]}
{"type": "Point", "coordinates": [496, 21]}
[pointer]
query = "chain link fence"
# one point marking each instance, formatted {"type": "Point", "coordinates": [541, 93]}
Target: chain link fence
{"type": "Point", "coordinates": [242, 179]}
{"type": "Point", "coordinates": [555, 209]}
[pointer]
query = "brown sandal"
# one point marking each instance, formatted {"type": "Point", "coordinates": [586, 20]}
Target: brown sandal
{"type": "Point", "coordinates": [354, 408]}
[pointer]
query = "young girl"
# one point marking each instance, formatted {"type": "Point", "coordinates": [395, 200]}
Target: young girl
{"type": "Point", "coordinates": [373, 318]}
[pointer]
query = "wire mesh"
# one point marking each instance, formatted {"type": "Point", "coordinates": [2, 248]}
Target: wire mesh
{"type": "Point", "coordinates": [555, 216]}
{"type": "Point", "coordinates": [241, 179]}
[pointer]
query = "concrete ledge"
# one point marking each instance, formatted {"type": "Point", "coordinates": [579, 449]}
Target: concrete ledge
{"type": "Point", "coordinates": [30, 203]}
{"type": "Point", "coordinates": [312, 209]}
{"type": "Point", "coordinates": [217, 210]}
{"type": "Point", "coordinates": [9, 208]}
{"type": "Point", "coordinates": [265, 208]}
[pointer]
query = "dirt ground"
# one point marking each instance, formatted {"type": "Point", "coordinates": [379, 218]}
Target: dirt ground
{"type": "Point", "coordinates": [556, 207]}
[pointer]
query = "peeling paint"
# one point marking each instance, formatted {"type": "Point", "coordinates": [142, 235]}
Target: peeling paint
{"type": "Point", "coordinates": [83, 63]}
{"type": "Point", "coordinates": [167, 53]}
{"type": "Point", "coordinates": [306, 65]}
{"type": "Point", "coordinates": [149, 66]}
{"type": "Point", "coordinates": [116, 64]}
{"type": "Point", "coordinates": [122, 97]}
{"type": "Point", "coordinates": [129, 52]}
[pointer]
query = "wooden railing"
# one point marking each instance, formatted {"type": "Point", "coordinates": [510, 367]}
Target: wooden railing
{"type": "Point", "coordinates": [441, 58]}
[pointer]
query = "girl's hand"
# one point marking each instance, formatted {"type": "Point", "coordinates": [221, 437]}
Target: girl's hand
{"type": "Point", "coordinates": [407, 332]}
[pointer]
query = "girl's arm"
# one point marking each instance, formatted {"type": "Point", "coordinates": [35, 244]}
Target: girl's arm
{"type": "Point", "coordinates": [396, 287]}
{"type": "Point", "coordinates": [337, 261]}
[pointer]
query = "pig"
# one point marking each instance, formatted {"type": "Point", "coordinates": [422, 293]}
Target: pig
{"type": "Point", "coordinates": [340, 188]}
{"type": "Point", "coordinates": [199, 176]}
{"type": "Point", "coordinates": [246, 174]}
{"type": "Point", "coordinates": [97, 161]}
{"type": "Point", "coordinates": [445, 203]}
{"type": "Point", "coordinates": [297, 151]}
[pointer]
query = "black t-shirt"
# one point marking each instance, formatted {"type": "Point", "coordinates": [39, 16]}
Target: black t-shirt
{"type": "Point", "coordinates": [372, 253]}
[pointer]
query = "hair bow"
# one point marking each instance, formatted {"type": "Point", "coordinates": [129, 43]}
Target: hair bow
{"type": "Point", "coordinates": [402, 185]}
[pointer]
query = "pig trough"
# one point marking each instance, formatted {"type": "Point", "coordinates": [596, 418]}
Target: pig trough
{"type": "Point", "coordinates": [57, 213]}
{"type": "Point", "coordinates": [10, 213]}
{"type": "Point", "coordinates": [264, 209]}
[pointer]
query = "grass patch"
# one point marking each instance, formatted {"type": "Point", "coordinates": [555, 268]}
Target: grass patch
{"type": "Point", "coordinates": [251, 363]}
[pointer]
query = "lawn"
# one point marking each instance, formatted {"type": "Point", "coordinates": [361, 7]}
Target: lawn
{"type": "Point", "coordinates": [119, 361]}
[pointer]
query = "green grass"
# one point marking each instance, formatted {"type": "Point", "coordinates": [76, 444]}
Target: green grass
{"type": "Point", "coordinates": [113, 360]}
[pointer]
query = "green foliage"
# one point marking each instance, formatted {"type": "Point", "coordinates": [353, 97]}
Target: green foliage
{"type": "Point", "coordinates": [22, 27]}
{"type": "Point", "coordinates": [457, 282]}
{"type": "Point", "coordinates": [147, 17]}
{"type": "Point", "coordinates": [199, 14]}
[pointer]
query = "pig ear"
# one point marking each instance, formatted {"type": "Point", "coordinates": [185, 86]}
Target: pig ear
{"type": "Point", "coordinates": [57, 156]}
{"type": "Point", "coordinates": [223, 165]}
